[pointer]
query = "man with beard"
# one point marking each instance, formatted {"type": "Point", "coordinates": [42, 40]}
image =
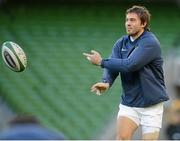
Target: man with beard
{"type": "Point", "coordinates": [137, 58]}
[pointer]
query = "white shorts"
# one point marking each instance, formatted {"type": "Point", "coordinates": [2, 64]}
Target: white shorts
{"type": "Point", "coordinates": [150, 118]}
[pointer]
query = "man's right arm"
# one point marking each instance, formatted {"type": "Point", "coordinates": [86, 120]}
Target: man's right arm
{"type": "Point", "coordinates": [108, 75]}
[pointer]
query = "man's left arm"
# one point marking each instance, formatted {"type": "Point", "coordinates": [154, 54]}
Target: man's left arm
{"type": "Point", "coordinates": [141, 55]}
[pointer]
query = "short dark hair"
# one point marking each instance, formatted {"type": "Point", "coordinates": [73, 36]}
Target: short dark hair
{"type": "Point", "coordinates": [143, 14]}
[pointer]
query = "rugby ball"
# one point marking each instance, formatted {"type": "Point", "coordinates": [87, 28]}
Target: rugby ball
{"type": "Point", "coordinates": [13, 56]}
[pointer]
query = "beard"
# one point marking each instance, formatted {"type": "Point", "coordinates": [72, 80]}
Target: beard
{"type": "Point", "coordinates": [135, 33]}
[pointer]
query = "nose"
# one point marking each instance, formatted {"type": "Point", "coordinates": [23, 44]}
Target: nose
{"type": "Point", "coordinates": [127, 23]}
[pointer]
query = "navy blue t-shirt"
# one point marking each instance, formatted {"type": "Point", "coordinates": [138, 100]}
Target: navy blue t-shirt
{"type": "Point", "coordinates": [139, 64]}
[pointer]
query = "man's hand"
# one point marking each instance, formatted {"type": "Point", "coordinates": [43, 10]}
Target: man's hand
{"type": "Point", "coordinates": [100, 87]}
{"type": "Point", "coordinates": [95, 58]}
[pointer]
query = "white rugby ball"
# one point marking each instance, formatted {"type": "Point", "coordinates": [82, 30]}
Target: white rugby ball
{"type": "Point", "coordinates": [13, 56]}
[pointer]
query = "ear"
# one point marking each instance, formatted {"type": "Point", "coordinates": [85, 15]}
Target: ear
{"type": "Point", "coordinates": [143, 24]}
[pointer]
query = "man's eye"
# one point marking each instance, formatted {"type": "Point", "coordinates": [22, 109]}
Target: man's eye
{"type": "Point", "coordinates": [132, 20]}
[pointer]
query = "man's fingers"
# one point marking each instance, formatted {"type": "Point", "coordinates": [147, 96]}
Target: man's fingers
{"type": "Point", "coordinates": [95, 86]}
{"type": "Point", "coordinates": [99, 88]}
{"type": "Point", "coordinates": [93, 89]}
{"type": "Point", "coordinates": [88, 58]}
{"type": "Point", "coordinates": [94, 52]}
{"type": "Point", "coordinates": [87, 55]}
{"type": "Point", "coordinates": [98, 92]}
{"type": "Point", "coordinates": [98, 85]}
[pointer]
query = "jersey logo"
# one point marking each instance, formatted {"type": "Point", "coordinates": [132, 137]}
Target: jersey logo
{"type": "Point", "coordinates": [123, 49]}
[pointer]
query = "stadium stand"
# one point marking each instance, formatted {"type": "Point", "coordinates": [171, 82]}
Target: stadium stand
{"type": "Point", "coordinates": [56, 84]}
